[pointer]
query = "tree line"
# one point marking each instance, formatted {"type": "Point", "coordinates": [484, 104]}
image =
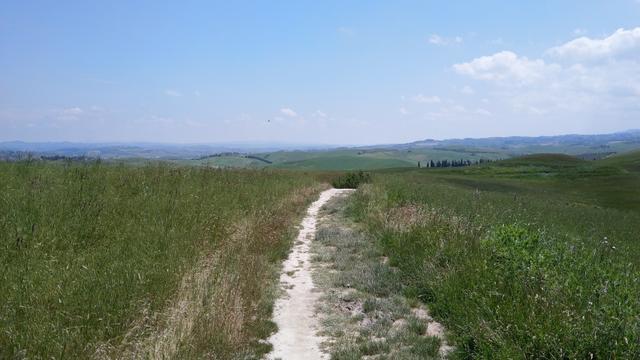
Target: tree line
{"type": "Point", "coordinates": [451, 163]}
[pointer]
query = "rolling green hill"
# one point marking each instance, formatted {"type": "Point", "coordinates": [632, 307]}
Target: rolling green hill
{"type": "Point", "coordinates": [539, 151]}
{"type": "Point", "coordinates": [629, 161]}
{"type": "Point", "coordinates": [347, 158]}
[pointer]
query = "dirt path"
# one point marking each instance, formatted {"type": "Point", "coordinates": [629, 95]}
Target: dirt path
{"type": "Point", "coordinates": [295, 313]}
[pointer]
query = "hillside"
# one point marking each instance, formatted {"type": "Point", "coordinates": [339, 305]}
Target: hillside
{"type": "Point", "coordinates": [531, 257]}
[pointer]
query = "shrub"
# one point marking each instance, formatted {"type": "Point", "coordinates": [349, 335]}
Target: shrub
{"type": "Point", "coordinates": [351, 180]}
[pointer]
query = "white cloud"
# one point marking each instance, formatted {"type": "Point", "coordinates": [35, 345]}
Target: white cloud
{"type": "Point", "coordinates": [172, 93]}
{"type": "Point", "coordinates": [438, 40]}
{"type": "Point", "coordinates": [403, 111]}
{"type": "Point", "coordinates": [288, 112]}
{"type": "Point", "coordinates": [580, 31]}
{"type": "Point", "coordinates": [319, 114]}
{"type": "Point", "coordinates": [76, 113]}
{"type": "Point", "coordinates": [506, 67]}
{"type": "Point", "coordinates": [620, 43]}
{"type": "Point", "coordinates": [72, 111]}
{"type": "Point", "coordinates": [571, 88]}
{"type": "Point", "coordinates": [467, 90]}
{"type": "Point", "coordinates": [155, 120]}
{"type": "Point", "coordinates": [426, 99]}
{"type": "Point", "coordinates": [483, 112]}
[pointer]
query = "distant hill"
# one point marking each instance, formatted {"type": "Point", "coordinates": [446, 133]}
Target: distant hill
{"type": "Point", "coordinates": [141, 150]}
{"type": "Point", "coordinates": [574, 143]}
{"type": "Point", "coordinates": [319, 157]}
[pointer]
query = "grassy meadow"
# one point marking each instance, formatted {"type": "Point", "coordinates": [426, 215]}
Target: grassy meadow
{"type": "Point", "coordinates": [535, 257]}
{"type": "Point", "coordinates": [117, 261]}
{"type": "Point", "coordinates": [530, 257]}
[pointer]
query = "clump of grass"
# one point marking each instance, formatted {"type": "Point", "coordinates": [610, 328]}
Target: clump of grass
{"type": "Point", "coordinates": [426, 347]}
{"type": "Point", "coordinates": [91, 252]}
{"type": "Point", "coordinates": [416, 326]}
{"type": "Point", "coordinates": [370, 305]}
{"type": "Point", "coordinates": [351, 180]}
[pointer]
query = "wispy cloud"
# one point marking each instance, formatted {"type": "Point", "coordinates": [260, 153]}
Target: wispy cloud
{"type": "Point", "coordinates": [72, 111]}
{"type": "Point", "coordinates": [319, 114]}
{"type": "Point", "coordinates": [172, 93]}
{"type": "Point", "coordinates": [424, 99]}
{"type": "Point", "coordinates": [288, 112]}
{"type": "Point", "coordinates": [483, 112]}
{"type": "Point", "coordinates": [467, 90]}
{"type": "Point", "coordinates": [581, 31]}
{"type": "Point", "coordinates": [75, 113]}
{"type": "Point", "coordinates": [438, 40]}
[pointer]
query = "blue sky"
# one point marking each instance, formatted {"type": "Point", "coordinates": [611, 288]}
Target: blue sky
{"type": "Point", "coordinates": [332, 72]}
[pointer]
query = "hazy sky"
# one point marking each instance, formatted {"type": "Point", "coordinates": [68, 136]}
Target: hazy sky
{"type": "Point", "coordinates": [332, 72]}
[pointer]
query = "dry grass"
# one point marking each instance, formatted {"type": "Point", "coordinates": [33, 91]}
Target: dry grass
{"type": "Point", "coordinates": [223, 305]}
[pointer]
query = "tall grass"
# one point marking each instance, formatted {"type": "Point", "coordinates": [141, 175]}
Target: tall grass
{"type": "Point", "coordinates": [514, 269]}
{"type": "Point", "coordinates": [88, 251]}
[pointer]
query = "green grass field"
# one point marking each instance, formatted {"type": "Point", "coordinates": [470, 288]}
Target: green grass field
{"type": "Point", "coordinates": [345, 159]}
{"type": "Point", "coordinates": [535, 257]}
{"type": "Point", "coordinates": [529, 257]}
{"type": "Point", "coordinates": [96, 258]}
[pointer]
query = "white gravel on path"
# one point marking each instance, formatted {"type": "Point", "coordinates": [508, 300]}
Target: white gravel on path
{"type": "Point", "coordinates": [295, 312]}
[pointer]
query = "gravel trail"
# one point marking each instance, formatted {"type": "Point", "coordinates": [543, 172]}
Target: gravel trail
{"type": "Point", "coordinates": [295, 312]}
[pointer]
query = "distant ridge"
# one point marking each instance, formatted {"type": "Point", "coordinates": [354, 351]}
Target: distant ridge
{"type": "Point", "coordinates": [632, 136]}
{"type": "Point", "coordinates": [586, 146]}
{"type": "Point", "coordinates": [114, 150]}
